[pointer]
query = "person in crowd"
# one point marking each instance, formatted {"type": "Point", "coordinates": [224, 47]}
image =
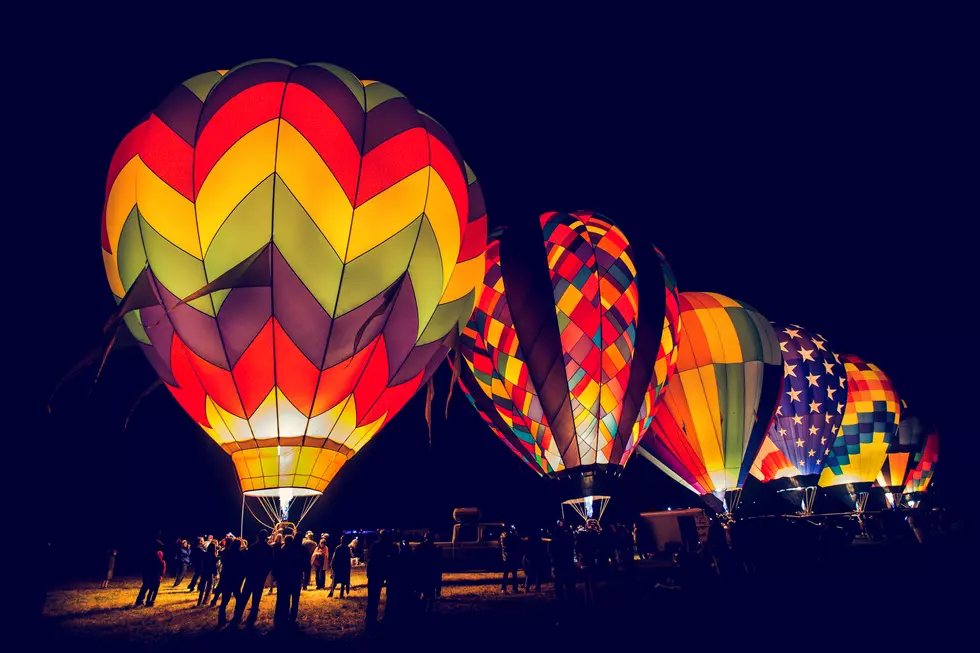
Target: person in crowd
{"type": "Point", "coordinates": [197, 563]}
{"type": "Point", "coordinates": [428, 569]}
{"type": "Point", "coordinates": [589, 553]}
{"type": "Point", "coordinates": [340, 568]}
{"type": "Point", "coordinates": [310, 545]}
{"type": "Point", "coordinates": [232, 577]}
{"type": "Point", "coordinates": [153, 574]}
{"type": "Point", "coordinates": [378, 566]}
{"type": "Point", "coordinates": [289, 563]}
{"type": "Point", "coordinates": [110, 568]}
{"type": "Point", "coordinates": [562, 550]}
{"type": "Point", "coordinates": [402, 594]}
{"type": "Point", "coordinates": [511, 557]}
{"type": "Point", "coordinates": [319, 561]}
{"type": "Point", "coordinates": [258, 563]}
{"type": "Point", "coordinates": [209, 569]}
{"type": "Point", "coordinates": [535, 562]}
{"type": "Point", "coordinates": [181, 559]}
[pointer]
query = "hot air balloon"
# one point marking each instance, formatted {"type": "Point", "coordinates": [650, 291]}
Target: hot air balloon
{"type": "Point", "coordinates": [807, 418]}
{"type": "Point", "coordinates": [902, 455]}
{"type": "Point", "coordinates": [569, 347]}
{"type": "Point", "coordinates": [294, 249]}
{"type": "Point", "coordinates": [869, 426]}
{"type": "Point", "coordinates": [924, 468]}
{"type": "Point", "coordinates": [718, 405]}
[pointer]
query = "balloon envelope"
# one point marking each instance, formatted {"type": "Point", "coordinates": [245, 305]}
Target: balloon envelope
{"type": "Point", "coordinates": [718, 405]}
{"type": "Point", "coordinates": [903, 453]}
{"type": "Point", "coordinates": [925, 465]}
{"type": "Point", "coordinates": [298, 247]}
{"type": "Point", "coordinates": [869, 426]}
{"type": "Point", "coordinates": [810, 410]}
{"type": "Point", "coordinates": [570, 344]}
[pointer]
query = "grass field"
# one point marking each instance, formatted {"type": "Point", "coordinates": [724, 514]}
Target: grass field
{"type": "Point", "coordinates": [84, 612]}
{"type": "Point", "coordinates": [871, 596]}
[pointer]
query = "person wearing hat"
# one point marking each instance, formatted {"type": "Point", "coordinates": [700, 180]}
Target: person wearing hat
{"type": "Point", "coordinates": [310, 545]}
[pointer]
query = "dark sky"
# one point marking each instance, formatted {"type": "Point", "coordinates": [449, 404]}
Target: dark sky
{"type": "Point", "coordinates": [821, 169]}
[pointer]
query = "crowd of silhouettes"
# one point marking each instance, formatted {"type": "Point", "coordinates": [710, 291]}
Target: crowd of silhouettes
{"type": "Point", "coordinates": [411, 577]}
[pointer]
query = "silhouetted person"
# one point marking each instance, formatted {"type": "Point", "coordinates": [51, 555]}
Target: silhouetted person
{"type": "Point", "coordinates": [181, 559]}
{"type": "Point", "coordinates": [428, 565]}
{"type": "Point", "coordinates": [289, 563]}
{"type": "Point", "coordinates": [197, 563]}
{"type": "Point", "coordinates": [110, 568]}
{"type": "Point", "coordinates": [340, 568]}
{"type": "Point", "coordinates": [402, 597]}
{"type": "Point", "coordinates": [535, 562]}
{"type": "Point", "coordinates": [309, 544]}
{"type": "Point", "coordinates": [153, 574]}
{"type": "Point", "coordinates": [258, 563]}
{"type": "Point", "coordinates": [510, 555]}
{"type": "Point", "coordinates": [589, 553]}
{"type": "Point", "coordinates": [378, 566]}
{"type": "Point", "coordinates": [562, 551]}
{"type": "Point", "coordinates": [209, 567]}
{"type": "Point", "coordinates": [232, 577]}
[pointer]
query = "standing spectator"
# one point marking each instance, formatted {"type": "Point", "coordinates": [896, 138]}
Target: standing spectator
{"type": "Point", "coordinates": [321, 560]}
{"type": "Point", "coordinates": [563, 560]}
{"type": "Point", "coordinates": [289, 563]}
{"type": "Point", "coordinates": [258, 563]}
{"type": "Point", "coordinates": [209, 568]}
{"type": "Point", "coordinates": [110, 568]}
{"type": "Point", "coordinates": [378, 565]}
{"type": "Point", "coordinates": [181, 560]}
{"type": "Point", "coordinates": [197, 563]}
{"type": "Point", "coordinates": [428, 568]}
{"type": "Point", "coordinates": [535, 563]}
{"type": "Point", "coordinates": [340, 568]}
{"type": "Point", "coordinates": [232, 577]}
{"type": "Point", "coordinates": [310, 545]}
{"type": "Point", "coordinates": [511, 556]}
{"type": "Point", "coordinates": [153, 574]}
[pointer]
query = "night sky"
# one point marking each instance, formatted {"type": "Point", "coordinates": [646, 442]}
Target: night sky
{"type": "Point", "coordinates": [819, 171]}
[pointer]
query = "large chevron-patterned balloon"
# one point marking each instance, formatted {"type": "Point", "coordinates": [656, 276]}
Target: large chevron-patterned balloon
{"type": "Point", "coordinates": [295, 249]}
{"type": "Point", "coordinates": [570, 344]}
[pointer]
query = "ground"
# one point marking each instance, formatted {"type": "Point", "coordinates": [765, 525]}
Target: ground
{"type": "Point", "coordinates": [872, 597]}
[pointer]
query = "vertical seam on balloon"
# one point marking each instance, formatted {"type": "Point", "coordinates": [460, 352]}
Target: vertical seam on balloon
{"type": "Point", "coordinates": [343, 268]}
{"type": "Point", "coordinates": [401, 286]}
{"type": "Point", "coordinates": [723, 425]}
{"type": "Point", "coordinates": [523, 454]}
{"type": "Point", "coordinates": [156, 289]}
{"type": "Point", "coordinates": [524, 418]}
{"type": "Point", "coordinates": [197, 226]}
{"type": "Point", "coordinates": [272, 285]}
{"type": "Point", "coordinates": [719, 437]}
{"type": "Point", "coordinates": [598, 294]}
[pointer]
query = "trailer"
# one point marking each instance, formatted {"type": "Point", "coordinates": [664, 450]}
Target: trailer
{"type": "Point", "coordinates": [674, 529]}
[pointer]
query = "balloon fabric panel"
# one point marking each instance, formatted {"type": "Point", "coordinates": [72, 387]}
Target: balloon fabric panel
{"type": "Point", "coordinates": [311, 243]}
{"type": "Point", "coordinates": [718, 405]}
{"type": "Point", "coordinates": [593, 330]}
{"type": "Point", "coordinates": [902, 453]}
{"type": "Point", "coordinates": [869, 425]}
{"type": "Point", "coordinates": [810, 410]}
{"type": "Point", "coordinates": [925, 465]}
